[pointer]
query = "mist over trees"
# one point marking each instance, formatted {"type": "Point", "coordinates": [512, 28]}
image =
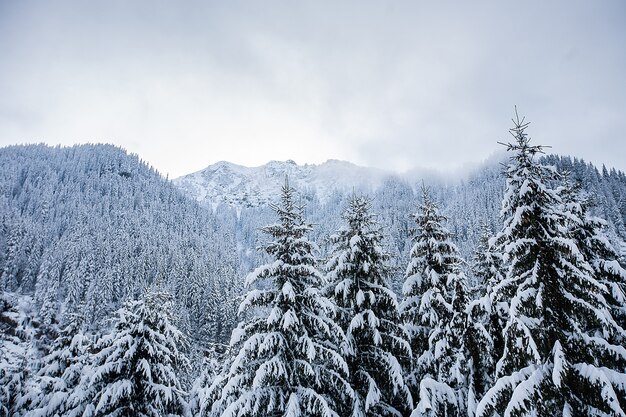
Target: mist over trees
{"type": "Point", "coordinates": [500, 294]}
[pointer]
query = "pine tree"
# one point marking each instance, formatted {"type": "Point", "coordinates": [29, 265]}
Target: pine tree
{"type": "Point", "coordinates": [288, 362]}
{"type": "Point", "coordinates": [211, 394]}
{"type": "Point", "coordinates": [560, 356]}
{"type": "Point", "coordinates": [14, 360]}
{"type": "Point", "coordinates": [486, 318]}
{"type": "Point", "coordinates": [134, 366]}
{"type": "Point", "coordinates": [200, 394]}
{"type": "Point", "coordinates": [60, 372]}
{"type": "Point", "coordinates": [13, 386]}
{"type": "Point", "coordinates": [434, 313]}
{"type": "Point", "coordinates": [589, 233]}
{"type": "Point", "coordinates": [376, 348]}
{"type": "Point", "coordinates": [485, 265]}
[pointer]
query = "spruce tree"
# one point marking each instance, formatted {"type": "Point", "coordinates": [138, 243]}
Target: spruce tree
{"type": "Point", "coordinates": [200, 398]}
{"type": "Point", "coordinates": [434, 313]}
{"type": "Point", "coordinates": [288, 363]}
{"type": "Point", "coordinates": [133, 371]}
{"type": "Point", "coordinates": [560, 355]}
{"type": "Point", "coordinates": [485, 268]}
{"type": "Point", "coordinates": [486, 318]}
{"type": "Point", "coordinates": [16, 357]}
{"type": "Point", "coordinates": [376, 347]}
{"type": "Point", "coordinates": [210, 394]}
{"type": "Point", "coordinates": [589, 232]}
{"type": "Point", "coordinates": [60, 371]}
{"type": "Point", "coordinates": [13, 386]}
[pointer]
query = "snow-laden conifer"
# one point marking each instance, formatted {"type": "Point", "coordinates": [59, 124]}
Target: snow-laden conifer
{"type": "Point", "coordinates": [287, 361]}
{"type": "Point", "coordinates": [560, 357]}
{"type": "Point", "coordinates": [486, 266]}
{"type": "Point", "coordinates": [589, 232]}
{"type": "Point", "coordinates": [15, 357]}
{"type": "Point", "coordinates": [376, 347]}
{"type": "Point", "coordinates": [60, 371]}
{"type": "Point", "coordinates": [485, 319]}
{"type": "Point", "coordinates": [434, 313]}
{"type": "Point", "coordinates": [13, 386]}
{"type": "Point", "coordinates": [133, 371]}
{"type": "Point", "coordinates": [202, 393]}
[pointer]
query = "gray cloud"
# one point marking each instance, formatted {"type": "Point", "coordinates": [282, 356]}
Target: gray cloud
{"type": "Point", "coordinates": [389, 84]}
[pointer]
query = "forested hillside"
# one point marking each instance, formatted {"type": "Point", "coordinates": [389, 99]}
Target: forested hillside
{"type": "Point", "coordinates": [85, 228]}
{"type": "Point", "coordinates": [469, 203]}
{"type": "Point", "coordinates": [373, 300]}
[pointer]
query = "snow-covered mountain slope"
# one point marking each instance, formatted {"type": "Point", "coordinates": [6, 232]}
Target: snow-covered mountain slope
{"type": "Point", "coordinates": [83, 228]}
{"type": "Point", "coordinates": [467, 200]}
{"type": "Point", "coordinates": [242, 187]}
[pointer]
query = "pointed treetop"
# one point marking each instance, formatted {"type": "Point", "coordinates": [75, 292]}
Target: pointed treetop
{"type": "Point", "coordinates": [522, 140]}
{"type": "Point", "coordinates": [425, 192]}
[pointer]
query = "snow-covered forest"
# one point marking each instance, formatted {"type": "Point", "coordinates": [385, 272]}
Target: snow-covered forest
{"type": "Point", "coordinates": [347, 293]}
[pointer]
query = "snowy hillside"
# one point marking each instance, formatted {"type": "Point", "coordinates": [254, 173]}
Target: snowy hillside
{"type": "Point", "coordinates": [468, 201]}
{"type": "Point", "coordinates": [84, 230]}
{"type": "Point", "coordinates": [245, 187]}
{"type": "Point", "coordinates": [85, 227]}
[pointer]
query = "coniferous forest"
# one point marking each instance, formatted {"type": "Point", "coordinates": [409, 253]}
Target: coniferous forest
{"type": "Point", "coordinates": [501, 294]}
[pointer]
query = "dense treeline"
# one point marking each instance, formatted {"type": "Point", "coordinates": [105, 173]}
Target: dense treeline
{"type": "Point", "coordinates": [113, 282]}
{"type": "Point", "coordinates": [86, 228]}
{"type": "Point", "coordinates": [469, 204]}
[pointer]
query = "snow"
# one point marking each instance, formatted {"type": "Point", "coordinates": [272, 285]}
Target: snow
{"type": "Point", "coordinates": [507, 383]}
{"type": "Point", "coordinates": [243, 187]}
{"type": "Point", "coordinates": [525, 392]}
{"type": "Point", "coordinates": [248, 187]}
{"type": "Point", "coordinates": [288, 292]}
{"type": "Point", "coordinates": [373, 393]}
{"type": "Point", "coordinates": [289, 320]}
{"type": "Point", "coordinates": [432, 393]}
{"type": "Point", "coordinates": [606, 379]}
{"type": "Point", "coordinates": [559, 364]}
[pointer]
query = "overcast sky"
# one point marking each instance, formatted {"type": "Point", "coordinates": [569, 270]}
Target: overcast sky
{"type": "Point", "coordinates": [389, 84]}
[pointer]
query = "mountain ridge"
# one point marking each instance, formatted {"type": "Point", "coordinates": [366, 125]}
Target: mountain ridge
{"type": "Point", "coordinates": [468, 200]}
{"type": "Point", "coordinates": [241, 186]}
{"type": "Point", "coordinates": [245, 187]}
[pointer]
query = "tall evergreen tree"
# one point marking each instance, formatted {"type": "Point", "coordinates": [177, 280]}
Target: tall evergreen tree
{"type": "Point", "coordinates": [376, 347]}
{"type": "Point", "coordinates": [288, 363]}
{"type": "Point", "coordinates": [134, 367]}
{"type": "Point", "coordinates": [559, 354]}
{"type": "Point", "coordinates": [434, 313]}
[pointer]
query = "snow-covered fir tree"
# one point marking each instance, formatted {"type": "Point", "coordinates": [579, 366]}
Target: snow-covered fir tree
{"type": "Point", "coordinates": [376, 347]}
{"type": "Point", "coordinates": [208, 397]}
{"type": "Point", "coordinates": [481, 350]}
{"type": "Point", "coordinates": [202, 394]}
{"type": "Point", "coordinates": [560, 355]}
{"type": "Point", "coordinates": [13, 385]}
{"type": "Point", "coordinates": [589, 232]}
{"type": "Point", "coordinates": [17, 355]}
{"type": "Point", "coordinates": [133, 371]}
{"type": "Point", "coordinates": [484, 265]}
{"type": "Point", "coordinates": [288, 361]}
{"type": "Point", "coordinates": [434, 314]}
{"type": "Point", "coordinates": [205, 396]}
{"type": "Point", "coordinates": [60, 371]}
{"type": "Point", "coordinates": [486, 319]}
